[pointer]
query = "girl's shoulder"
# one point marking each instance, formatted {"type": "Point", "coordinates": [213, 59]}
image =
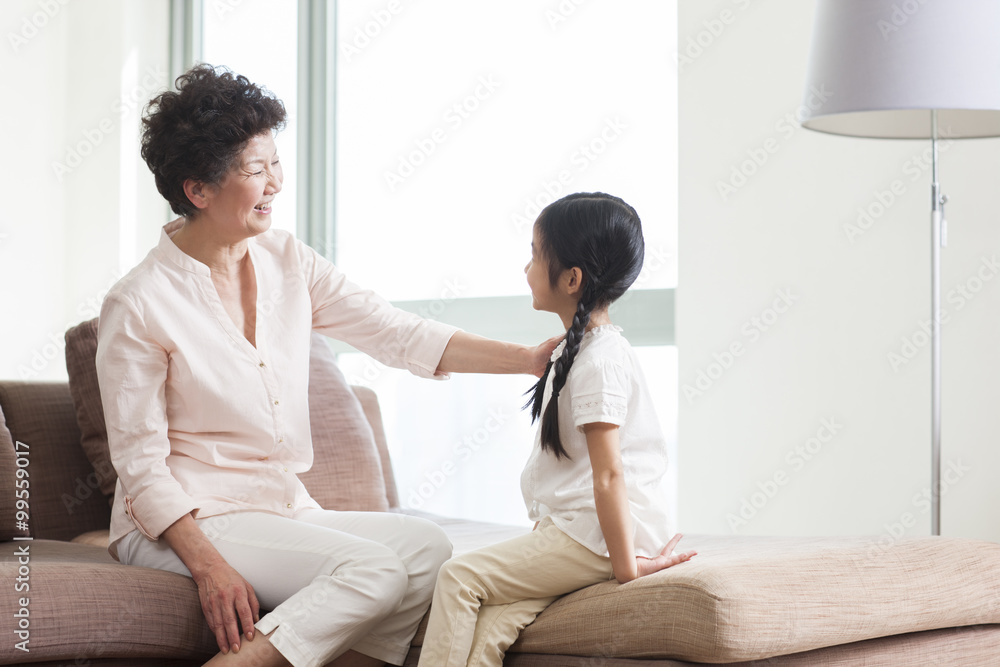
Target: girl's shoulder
{"type": "Point", "coordinates": [605, 344]}
{"type": "Point", "coordinates": [605, 358]}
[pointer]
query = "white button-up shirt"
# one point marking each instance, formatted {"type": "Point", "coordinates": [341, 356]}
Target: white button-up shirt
{"type": "Point", "coordinates": [199, 420]}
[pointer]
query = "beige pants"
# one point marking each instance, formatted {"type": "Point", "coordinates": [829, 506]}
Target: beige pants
{"type": "Point", "coordinates": [484, 598]}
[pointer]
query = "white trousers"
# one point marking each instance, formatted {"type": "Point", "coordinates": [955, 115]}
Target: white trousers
{"type": "Point", "coordinates": [485, 598]}
{"type": "Point", "coordinates": [333, 581]}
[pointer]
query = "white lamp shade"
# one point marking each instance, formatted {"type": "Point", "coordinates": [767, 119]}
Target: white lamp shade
{"type": "Point", "coordinates": [878, 67]}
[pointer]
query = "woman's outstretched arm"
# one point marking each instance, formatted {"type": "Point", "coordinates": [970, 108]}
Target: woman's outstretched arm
{"type": "Point", "coordinates": [469, 353]}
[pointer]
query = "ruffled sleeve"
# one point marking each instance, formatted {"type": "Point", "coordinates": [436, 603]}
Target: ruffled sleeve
{"type": "Point", "coordinates": [600, 392]}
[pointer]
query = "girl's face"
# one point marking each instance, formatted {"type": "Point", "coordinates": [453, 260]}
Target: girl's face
{"type": "Point", "coordinates": [543, 295]}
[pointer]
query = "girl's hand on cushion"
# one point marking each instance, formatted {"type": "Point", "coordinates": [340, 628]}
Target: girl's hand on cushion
{"type": "Point", "coordinates": [666, 558]}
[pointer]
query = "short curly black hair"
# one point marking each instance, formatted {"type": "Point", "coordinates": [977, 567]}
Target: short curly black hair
{"type": "Point", "coordinates": [198, 131]}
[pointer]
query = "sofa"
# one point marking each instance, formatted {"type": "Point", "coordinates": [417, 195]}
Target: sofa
{"type": "Point", "coordinates": [881, 600]}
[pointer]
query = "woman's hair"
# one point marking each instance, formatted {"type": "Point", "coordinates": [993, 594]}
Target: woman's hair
{"type": "Point", "coordinates": [602, 236]}
{"type": "Point", "coordinates": [198, 131]}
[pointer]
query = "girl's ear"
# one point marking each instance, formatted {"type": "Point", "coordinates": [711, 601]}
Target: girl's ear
{"type": "Point", "coordinates": [573, 280]}
{"type": "Point", "coordinates": [198, 193]}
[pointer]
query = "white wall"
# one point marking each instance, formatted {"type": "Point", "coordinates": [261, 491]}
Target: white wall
{"type": "Point", "coordinates": [81, 207]}
{"type": "Point", "coordinates": [854, 298]}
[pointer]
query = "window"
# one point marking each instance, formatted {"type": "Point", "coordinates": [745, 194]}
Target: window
{"type": "Point", "coordinates": [456, 123]}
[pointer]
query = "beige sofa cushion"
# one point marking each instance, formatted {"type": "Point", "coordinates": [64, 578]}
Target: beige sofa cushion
{"type": "Point", "coordinates": [748, 598]}
{"type": "Point", "coordinates": [751, 598]}
{"type": "Point", "coordinates": [347, 471]}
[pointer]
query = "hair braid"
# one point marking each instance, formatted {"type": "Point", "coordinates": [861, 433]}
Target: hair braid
{"type": "Point", "coordinates": [574, 336]}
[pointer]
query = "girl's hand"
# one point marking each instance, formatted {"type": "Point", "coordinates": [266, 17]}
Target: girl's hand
{"type": "Point", "coordinates": [646, 566]}
{"type": "Point", "coordinates": [541, 354]}
{"type": "Point", "coordinates": [228, 601]}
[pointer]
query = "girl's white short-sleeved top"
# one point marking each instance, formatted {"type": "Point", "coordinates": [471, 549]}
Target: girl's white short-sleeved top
{"type": "Point", "coordinates": [605, 384]}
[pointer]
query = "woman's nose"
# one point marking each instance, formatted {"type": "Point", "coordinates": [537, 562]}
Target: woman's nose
{"type": "Point", "coordinates": [274, 180]}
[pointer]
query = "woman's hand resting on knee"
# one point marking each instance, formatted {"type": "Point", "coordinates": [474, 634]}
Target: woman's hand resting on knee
{"type": "Point", "coordinates": [227, 599]}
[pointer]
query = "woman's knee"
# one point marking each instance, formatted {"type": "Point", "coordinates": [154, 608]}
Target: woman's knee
{"type": "Point", "coordinates": [382, 571]}
{"type": "Point", "coordinates": [432, 545]}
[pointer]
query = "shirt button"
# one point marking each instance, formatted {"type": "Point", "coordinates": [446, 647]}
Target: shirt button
{"type": "Point", "coordinates": [263, 458]}
{"type": "Point", "coordinates": [285, 469]}
{"type": "Point", "coordinates": [281, 439]}
{"type": "Point", "coordinates": [276, 402]}
{"type": "Point", "coordinates": [289, 506]}
{"type": "Point", "coordinates": [262, 364]}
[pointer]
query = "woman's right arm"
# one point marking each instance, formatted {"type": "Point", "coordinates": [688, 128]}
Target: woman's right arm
{"type": "Point", "coordinates": [132, 373]}
{"type": "Point", "coordinates": [226, 597]}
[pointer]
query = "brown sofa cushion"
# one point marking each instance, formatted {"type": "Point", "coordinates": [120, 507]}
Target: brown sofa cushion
{"type": "Point", "coordinates": [64, 498]}
{"type": "Point", "coordinates": [85, 606]}
{"type": "Point", "coordinates": [81, 350]}
{"type": "Point", "coordinates": [347, 472]}
{"type": "Point", "coordinates": [9, 486]}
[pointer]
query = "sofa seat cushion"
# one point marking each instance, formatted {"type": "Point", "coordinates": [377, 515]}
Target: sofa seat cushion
{"type": "Point", "coordinates": [752, 598]}
{"type": "Point", "coordinates": [109, 608]}
{"type": "Point", "coordinates": [749, 598]}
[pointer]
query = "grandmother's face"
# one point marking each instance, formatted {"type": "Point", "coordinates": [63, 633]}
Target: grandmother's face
{"type": "Point", "coordinates": [243, 199]}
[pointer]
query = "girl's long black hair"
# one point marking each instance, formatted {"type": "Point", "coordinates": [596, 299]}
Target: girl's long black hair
{"type": "Point", "coordinates": [602, 235]}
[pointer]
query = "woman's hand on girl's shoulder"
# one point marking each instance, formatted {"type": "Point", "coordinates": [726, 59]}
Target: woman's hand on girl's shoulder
{"type": "Point", "coordinates": [665, 559]}
{"type": "Point", "coordinates": [542, 353]}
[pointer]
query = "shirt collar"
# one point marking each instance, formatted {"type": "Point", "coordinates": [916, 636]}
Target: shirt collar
{"type": "Point", "coordinates": [167, 250]}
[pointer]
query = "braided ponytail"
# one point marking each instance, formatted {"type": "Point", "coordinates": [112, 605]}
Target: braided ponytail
{"type": "Point", "coordinates": [550, 420]}
{"type": "Point", "coordinates": [602, 236]}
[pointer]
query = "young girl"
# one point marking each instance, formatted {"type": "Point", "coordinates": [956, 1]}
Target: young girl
{"type": "Point", "coordinates": [592, 481]}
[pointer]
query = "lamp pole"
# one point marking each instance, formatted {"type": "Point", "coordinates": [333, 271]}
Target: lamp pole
{"type": "Point", "coordinates": [938, 241]}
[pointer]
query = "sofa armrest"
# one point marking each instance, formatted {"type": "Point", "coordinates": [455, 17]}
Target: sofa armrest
{"type": "Point", "coordinates": [369, 403]}
{"type": "Point", "coordinates": [65, 499]}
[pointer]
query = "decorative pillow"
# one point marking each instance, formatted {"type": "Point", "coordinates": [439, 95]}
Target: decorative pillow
{"type": "Point", "coordinates": [346, 473]}
{"type": "Point", "coordinates": [81, 351]}
{"type": "Point", "coordinates": [8, 486]}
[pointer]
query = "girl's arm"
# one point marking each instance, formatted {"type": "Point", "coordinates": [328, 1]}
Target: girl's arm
{"type": "Point", "coordinates": [611, 499]}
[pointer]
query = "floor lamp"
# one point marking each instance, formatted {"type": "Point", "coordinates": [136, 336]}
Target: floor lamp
{"type": "Point", "coordinates": [910, 69]}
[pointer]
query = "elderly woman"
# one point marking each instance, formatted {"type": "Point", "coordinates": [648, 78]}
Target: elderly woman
{"type": "Point", "coordinates": [205, 398]}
